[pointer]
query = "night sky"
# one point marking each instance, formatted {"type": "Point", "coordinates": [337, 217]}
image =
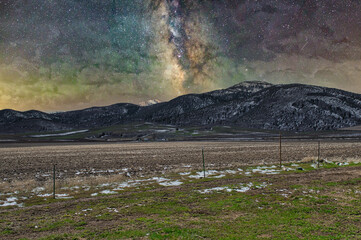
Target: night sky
{"type": "Point", "coordinates": [69, 54]}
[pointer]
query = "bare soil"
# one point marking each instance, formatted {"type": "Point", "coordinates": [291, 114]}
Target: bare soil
{"type": "Point", "coordinates": [24, 161]}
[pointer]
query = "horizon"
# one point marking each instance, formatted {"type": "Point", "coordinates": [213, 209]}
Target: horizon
{"type": "Point", "coordinates": [147, 103]}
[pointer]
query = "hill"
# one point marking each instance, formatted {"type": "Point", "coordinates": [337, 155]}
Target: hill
{"type": "Point", "coordinates": [256, 105]}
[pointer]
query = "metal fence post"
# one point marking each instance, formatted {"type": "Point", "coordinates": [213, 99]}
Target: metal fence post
{"type": "Point", "coordinates": [280, 150]}
{"type": "Point", "coordinates": [318, 155]}
{"type": "Point", "coordinates": [54, 181]}
{"type": "Point", "coordinates": [204, 166]}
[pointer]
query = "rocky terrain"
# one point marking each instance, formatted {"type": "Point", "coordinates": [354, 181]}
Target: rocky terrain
{"type": "Point", "coordinates": [253, 105]}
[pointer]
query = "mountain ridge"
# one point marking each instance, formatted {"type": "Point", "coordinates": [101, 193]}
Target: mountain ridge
{"type": "Point", "coordinates": [258, 105]}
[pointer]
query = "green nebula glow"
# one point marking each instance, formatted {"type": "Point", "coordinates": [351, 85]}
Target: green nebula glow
{"type": "Point", "coordinates": [58, 55]}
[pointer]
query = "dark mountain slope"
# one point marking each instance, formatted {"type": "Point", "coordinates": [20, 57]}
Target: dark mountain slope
{"type": "Point", "coordinates": [170, 112]}
{"type": "Point", "coordinates": [98, 116]}
{"type": "Point", "coordinates": [293, 107]}
{"type": "Point", "coordinates": [259, 105]}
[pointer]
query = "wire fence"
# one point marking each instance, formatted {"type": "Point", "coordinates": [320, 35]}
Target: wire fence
{"type": "Point", "coordinates": [101, 162]}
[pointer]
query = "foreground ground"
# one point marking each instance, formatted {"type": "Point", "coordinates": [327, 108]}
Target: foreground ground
{"type": "Point", "coordinates": [34, 161]}
{"type": "Point", "coordinates": [244, 195]}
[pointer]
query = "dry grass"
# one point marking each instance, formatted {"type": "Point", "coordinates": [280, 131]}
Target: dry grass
{"type": "Point", "coordinates": [332, 159]}
{"type": "Point", "coordinates": [18, 185]}
{"type": "Point", "coordinates": [309, 160]}
{"type": "Point", "coordinates": [345, 159]}
{"type": "Point", "coordinates": [92, 180]}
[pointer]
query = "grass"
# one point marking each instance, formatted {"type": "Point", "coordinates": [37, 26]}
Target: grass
{"type": "Point", "coordinates": [320, 208]}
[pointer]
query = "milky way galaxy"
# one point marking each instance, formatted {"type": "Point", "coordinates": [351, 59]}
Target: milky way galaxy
{"type": "Point", "coordinates": [60, 55]}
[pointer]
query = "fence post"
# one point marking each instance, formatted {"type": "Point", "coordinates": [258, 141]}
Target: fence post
{"type": "Point", "coordinates": [204, 166]}
{"type": "Point", "coordinates": [318, 155]}
{"type": "Point", "coordinates": [54, 181]}
{"type": "Point", "coordinates": [280, 150]}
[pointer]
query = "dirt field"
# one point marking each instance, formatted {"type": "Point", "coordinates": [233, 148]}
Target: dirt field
{"type": "Point", "coordinates": [157, 191]}
{"type": "Point", "coordinates": [35, 161]}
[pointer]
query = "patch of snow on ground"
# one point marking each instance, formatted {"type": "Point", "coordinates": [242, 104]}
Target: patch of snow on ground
{"type": "Point", "coordinates": [266, 170]}
{"type": "Point", "coordinates": [215, 189]}
{"type": "Point", "coordinates": [59, 196]}
{"type": "Point", "coordinates": [159, 179]}
{"type": "Point", "coordinates": [127, 184]}
{"type": "Point", "coordinates": [173, 183]}
{"type": "Point", "coordinates": [38, 189]}
{"type": "Point", "coordinates": [242, 189]}
{"type": "Point", "coordinates": [166, 182]}
{"type": "Point", "coordinates": [284, 193]}
{"type": "Point", "coordinates": [45, 195]}
{"type": "Point", "coordinates": [162, 130]}
{"type": "Point", "coordinates": [59, 134]}
{"type": "Point", "coordinates": [219, 176]}
{"type": "Point", "coordinates": [343, 164]}
{"type": "Point", "coordinates": [262, 185]}
{"type": "Point", "coordinates": [184, 173]}
{"type": "Point", "coordinates": [249, 186]}
{"type": "Point", "coordinates": [9, 193]}
{"type": "Point", "coordinates": [63, 196]}
{"type": "Point", "coordinates": [5, 204]}
{"type": "Point", "coordinates": [201, 174]}
{"type": "Point", "coordinates": [112, 209]}
{"type": "Point", "coordinates": [314, 165]}
{"type": "Point", "coordinates": [107, 192]}
{"type": "Point", "coordinates": [287, 169]}
{"type": "Point", "coordinates": [11, 201]}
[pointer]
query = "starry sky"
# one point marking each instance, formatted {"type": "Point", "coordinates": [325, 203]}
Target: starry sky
{"type": "Point", "coordinates": [60, 55]}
